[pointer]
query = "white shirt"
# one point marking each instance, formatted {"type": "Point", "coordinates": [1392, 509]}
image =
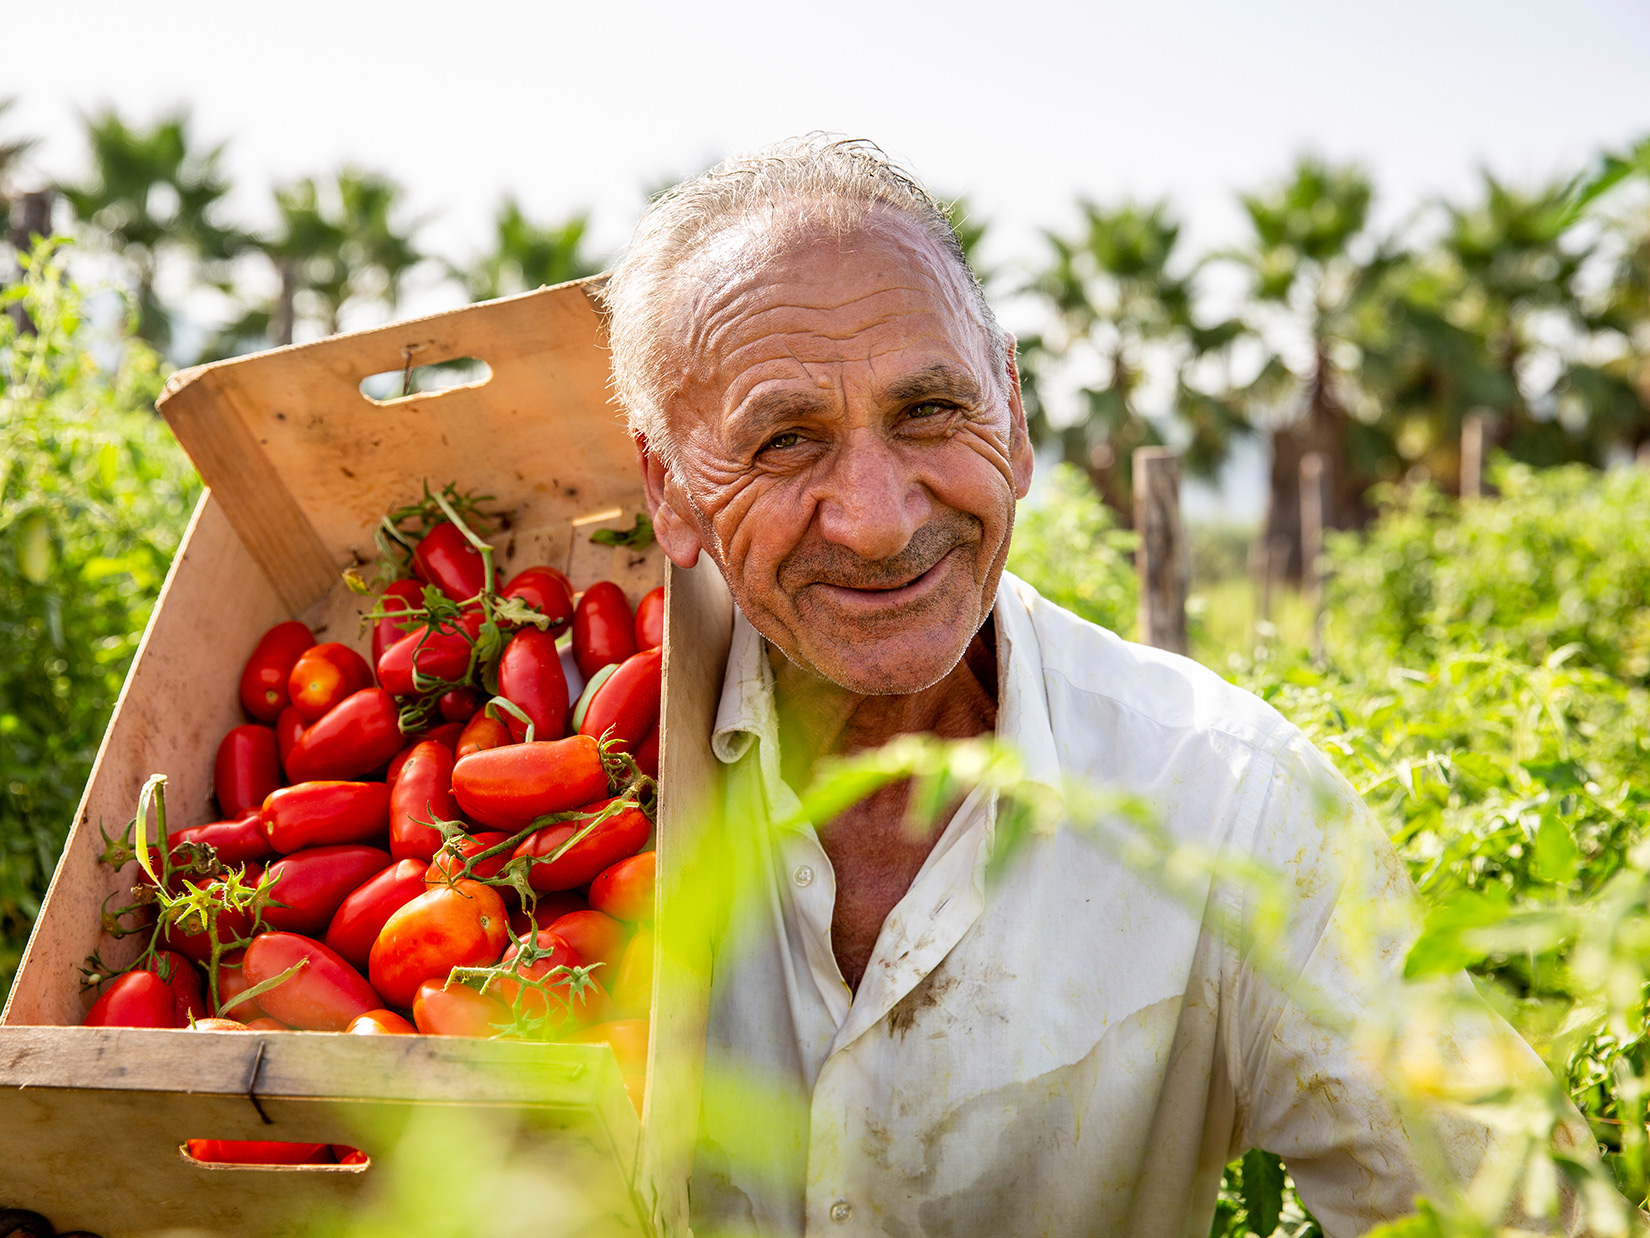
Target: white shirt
{"type": "Point", "coordinates": [1076, 1051]}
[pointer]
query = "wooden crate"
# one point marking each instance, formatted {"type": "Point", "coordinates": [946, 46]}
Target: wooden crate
{"type": "Point", "coordinates": [300, 467]}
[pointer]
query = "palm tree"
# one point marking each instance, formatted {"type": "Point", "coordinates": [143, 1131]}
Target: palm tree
{"type": "Point", "coordinates": [153, 196]}
{"type": "Point", "coordinates": [1122, 309]}
{"type": "Point", "coordinates": [1315, 281]}
{"type": "Point", "coordinates": [337, 242]}
{"type": "Point", "coordinates": [526, 256]}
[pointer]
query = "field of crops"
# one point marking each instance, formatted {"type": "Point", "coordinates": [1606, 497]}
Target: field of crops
{"type": "Point", "coordinates": [1483, 685]}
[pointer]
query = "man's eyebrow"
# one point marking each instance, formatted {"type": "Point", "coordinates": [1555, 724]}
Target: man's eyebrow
{"type": "Point", "coordinates": [935, 382]}
{"type": "Point", "coordinates": [772, 409]}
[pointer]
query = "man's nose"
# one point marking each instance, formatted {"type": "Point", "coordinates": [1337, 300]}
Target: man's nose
{"type": "Point", "coordinates": [871, 504]}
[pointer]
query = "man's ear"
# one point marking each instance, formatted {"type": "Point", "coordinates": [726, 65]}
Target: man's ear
{"type": "Point", "coordinates": [673, 518]}
{"type": "Point", "coordinates": [1020, 454]}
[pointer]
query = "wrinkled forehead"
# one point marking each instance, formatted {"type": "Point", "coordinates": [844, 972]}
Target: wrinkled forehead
{"type": "Point", "coordinates": [767, 291]}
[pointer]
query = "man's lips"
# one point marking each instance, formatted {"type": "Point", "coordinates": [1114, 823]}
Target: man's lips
{"type": "Point", "coordinates": [868, 599]}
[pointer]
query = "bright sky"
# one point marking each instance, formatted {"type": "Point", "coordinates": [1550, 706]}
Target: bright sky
{"type": "Point", "coordinates": [1021, 106]}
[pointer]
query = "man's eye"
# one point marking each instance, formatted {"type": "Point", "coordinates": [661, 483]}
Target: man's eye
{"type": "Point", "coordinates": [788, 439]}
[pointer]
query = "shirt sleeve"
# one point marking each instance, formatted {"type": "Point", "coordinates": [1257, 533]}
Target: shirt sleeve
{"type": "Point", "coordinates": [1359, 1081]}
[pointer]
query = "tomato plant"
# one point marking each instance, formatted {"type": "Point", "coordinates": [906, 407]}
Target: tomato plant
{"type": "Point", "coordinates": [569, 854]}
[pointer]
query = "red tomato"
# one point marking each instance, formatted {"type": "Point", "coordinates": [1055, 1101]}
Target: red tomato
{"type": "Point", "coordinates": [318, 814]}
{"type": "Point", "coordinates": [402, 596]}
{"type": "Point", "coordinates": [379, 1023]}
{"type": "Point", "coordinates": [460, 704]}
{"type": "Point", "coordinates": [251, 1152]}
{"type": "Point", "coordinates": [553, 1001]}
{"type": "Point", "coordinates": [650, 619]}
{"type": "Point", "coordinates": [626, 706]}
{"type": "Point", "coordinates": [247, 768]}
{"type": "Point", "coordinates": [323, 997]}
{"type": "Point", "coordinates": [548, 909]}
{"type": "Point", "coordinates": [265, 1024]}
{"type": "Point", "coordinates": [625, 891]}
{"type": "Point", "coordinates": [192, 940]}
{"type": "Point", "coordinates": [324, 676]}
{"type": "Point", "coordinates": [312, 884]}
{"type": "Point", "coordinates": [507, 787]}
{"type": "Point", "coordinates": [422, 793]}
{"type": "Point", "coordinates": [547, 591]}
{"type": "Point", "coordinates": [180, 976]}
{"type": "Point", "coordinates": [439, 656]}
{"type": "Point", "coordinates": [358, 735]}
{"type": "Point", "coordinates": [626, 1037]}
{"type": "Point", "coordinates": [595, 938]}
{"type": "Point", "coordinates": [235, 842]}
{"type": "Point", "coordinates": [398, 762]}
{"type": "Point", "coordinates": [446, 734]}
{"type": "Point", "coordinates": [445, 558]}
{"type": "Point", "coordinates": [605, 844]}
{"type": "Point", "coordinates": [632, 980]}
{"type": "Point", "coordinates": [136, 999]}
{"type": "Point", "coordinates": [356, 923]}
{"type": "Point", "coordinates": [264, 679]}
{"type": "Point", "coordinates": [603, 630]}
{"type": "Point", "coordinates": [530, 677]}
{"type": "Point", "coordinates": [448, 862]}
{"type": "Point", "coordinates": [647, 754]}
{"type": "Point", "coordinates": [354, 1156]}
{"type": "Point", "coordinates": [232, 982]}
{"type": "Point", "coordinates": [441, 1009]}
{"type": "Point", "coordinates": [443, 928]}
{"type": "Point", "coordinates": [216, 1024]}
{"type": "Point", "coordinates": [482, 732]}
{"type": "Point", "coordinates": [289, 729]}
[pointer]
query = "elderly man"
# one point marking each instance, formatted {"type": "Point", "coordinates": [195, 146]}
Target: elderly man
{"type": "Point", "coordinates": [825, 406]}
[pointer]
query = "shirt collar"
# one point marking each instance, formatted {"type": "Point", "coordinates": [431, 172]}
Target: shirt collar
{"type": "Point", "coordinates": [747, 713]}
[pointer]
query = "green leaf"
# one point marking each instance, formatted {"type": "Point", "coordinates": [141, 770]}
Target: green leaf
{"type": "Point", "coordinates": [1555, 851]}
{"type": "Point", "coordinates": [1443, 947]}
{"type": "Point", "coordinates": [638, 537]}
{"type": "Point", "coordinates": [1262, 1192]}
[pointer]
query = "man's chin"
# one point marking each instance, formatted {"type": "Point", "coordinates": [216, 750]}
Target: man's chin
{"type": "Point", "coordinates": [890, 667]}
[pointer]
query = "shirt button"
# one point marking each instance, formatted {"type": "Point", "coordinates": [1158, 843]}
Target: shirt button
{"type": "Point", "coordinates": [804, 876]}
{"type": "Point", "coordinates": [841, 1211]}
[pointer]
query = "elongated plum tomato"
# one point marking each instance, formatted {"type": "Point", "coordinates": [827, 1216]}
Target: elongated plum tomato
{"type": "Point", "coordinates": [185, 982]}
{"type": "Point", "coordinates": [324, 676]}
{"type": "Point", "coordinates": [530, 677]}
{"type": "Point", "coordinates": [595, 938]}
{"type": "Point", "coordinates": [356, 923]}
{"type": "Point", "coordinates": [625, 891]}
{"type": "Point", "coordinates": [251, 1152]}
{"type": "Point", "coordinates": [626, 1037]}
{"type": "Point", "coordinates": [402, 597]}
{"type": "Point", "coordinates": [445, 558]}
{"type": "Point", "coordinates": [632, 981]}
{"type": "Point", "coordinates": [235, 841]}
{"type": "Point", "coordinates": [321, 997]}
{"type": "Point", "coordinates": [137, 999]}
{"type": "Point", "coordinates": [289, 729]}
{"type": "Point", "coordinates": [507, 787]}
{"type": "Point", "coordinates": [423, 792]}
{"type": "Point", "coordinates": [647, 754]}
{"type": "Point", "coordinates": [441, 1009]}
{"type": "Point", "coordinates": [361, 733]}
{"type": "Point", "coordinates": [550, 996]}
{"type": "Point", "coordinates": [602, 846]}
{"type": "Point", "coordinates": [460, 704]}
{"type": "Point", "coordinates": [481, 733]}
{"type": "Point", "coordinates": [325, 813]}
{"type": "Point", "coordinates": [232, 982]}
{"type": "Point", "coordinates": [264, 678]}
{"type": "Point", "coordinates": [547, 591]}
{"type": "Point", "coordinates": [626, 706]}
{"type": "Point", "coordinates": [378, 1023]}
{"type": "Point", "coordinates": [313, 882]}
{"type": "Point", "coordinates": [246, 769]}
{"type": "Point", "coordinates": [650, 619]}
{"type": "Point", "coordinates": [461, 925]}
{"type": "Point", "coordinates": [437, 657]}
{"type": "Point", "coordinates": [604, 631]}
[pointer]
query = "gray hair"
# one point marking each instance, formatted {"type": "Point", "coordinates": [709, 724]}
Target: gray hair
{"type": "Point", "coordinates": [807, 181]}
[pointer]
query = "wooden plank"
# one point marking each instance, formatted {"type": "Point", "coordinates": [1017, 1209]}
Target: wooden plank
{"type": "Point", "coordinates": [698, 630]}
{"type": "Point", "coordinates": [1161, 558]}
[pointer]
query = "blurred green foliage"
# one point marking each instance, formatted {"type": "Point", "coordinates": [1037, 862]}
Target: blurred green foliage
{"type": "Point", "coordinates": [94, 495]}
{"type": "Point", "coordinates": [1069, 546]}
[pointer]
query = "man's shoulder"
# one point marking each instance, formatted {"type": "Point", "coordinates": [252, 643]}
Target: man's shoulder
{"type": "Point", "coordinates": [1091, 668]}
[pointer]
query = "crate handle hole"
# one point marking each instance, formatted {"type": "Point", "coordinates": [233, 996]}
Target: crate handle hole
{"type": "Point", "coordinates": [274, 1155]}
{"type": "Point", "coordinates": [413, 380]}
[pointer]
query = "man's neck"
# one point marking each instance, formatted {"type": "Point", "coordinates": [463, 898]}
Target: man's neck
{"type": "Point", "coordinates": [818, 718]}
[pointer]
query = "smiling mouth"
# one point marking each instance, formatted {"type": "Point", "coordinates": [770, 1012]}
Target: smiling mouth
{"type": "Point", "coordinates": [882, 597]}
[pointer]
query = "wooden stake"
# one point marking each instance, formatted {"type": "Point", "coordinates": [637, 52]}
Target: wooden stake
{"type": "Point", "coordinates": [1474, 447]}
{"type": "Point", "coordinates": [1161, 559]}
{"type": "Point", "coordinates": [1314, 509]}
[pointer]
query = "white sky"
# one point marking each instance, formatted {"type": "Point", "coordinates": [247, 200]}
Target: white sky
{"type": "Point", "coordinates": [1022, 107]}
